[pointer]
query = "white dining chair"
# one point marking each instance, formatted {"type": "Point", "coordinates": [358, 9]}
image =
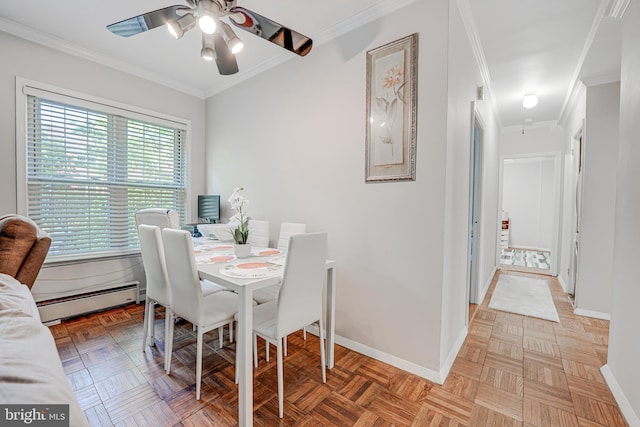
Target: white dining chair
{"type": "Point", "coordinates": [158, 291]}
{"type": "Point", "coordinates": [270, 293]}
{"type": "Point", "coordinates": [258, 233]}
{"type": "Point", "coordinates": [163, 218]}
{"type": "Point", "coordinates": [205, 312]}
{"type": "Point", "coordinates": [299, 302]}
{"type": "Point", "coordinates": [154, 268]}
{"type": "Point", "coordinates": [288, 229]}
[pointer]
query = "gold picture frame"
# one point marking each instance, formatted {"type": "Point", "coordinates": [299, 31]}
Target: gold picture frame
{"type": "Point", "coordinates": [392, 86]}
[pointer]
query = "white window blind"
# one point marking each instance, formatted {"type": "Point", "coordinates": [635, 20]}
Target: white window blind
{"type": "Point", "coordinates": [89, 170]}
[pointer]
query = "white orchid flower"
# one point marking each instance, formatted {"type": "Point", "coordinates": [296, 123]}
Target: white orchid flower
{"type": "Point", "coordinates": [239, 220]}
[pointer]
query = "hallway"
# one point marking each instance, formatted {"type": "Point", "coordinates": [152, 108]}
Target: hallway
{"type": "Point", "coordinates": [520, 370]}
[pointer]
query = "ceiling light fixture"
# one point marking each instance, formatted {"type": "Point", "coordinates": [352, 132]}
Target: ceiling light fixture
{"type": "Point", "coordinates": [208, 51]}
{"type": "Point", "coordinates": [207, 16]}
{"type": "Point", "coordinates": [234, 43]}
{"type": "Point", "coordinates": [182, 25]}
{"type": "Point", "coordinates": [530, 100]}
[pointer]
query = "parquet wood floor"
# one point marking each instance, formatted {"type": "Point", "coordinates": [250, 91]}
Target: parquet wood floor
{"type": "Point", "coordinates": [512, 370]}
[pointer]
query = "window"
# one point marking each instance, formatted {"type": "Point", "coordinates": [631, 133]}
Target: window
{"type": "Point", "coordinates": [90, 166]}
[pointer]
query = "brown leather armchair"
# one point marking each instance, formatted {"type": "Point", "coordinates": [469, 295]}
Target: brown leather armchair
{"type": "Point", "coordinates": [23, 248]}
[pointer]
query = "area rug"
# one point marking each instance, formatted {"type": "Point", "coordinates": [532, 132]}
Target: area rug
{"type": "Point", "coordinates": [524, 295]}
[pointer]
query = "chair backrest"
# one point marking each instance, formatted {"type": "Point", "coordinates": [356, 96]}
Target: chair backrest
{"type": "Point", "coordinates": [156, 276]}
{"type": "Point", "coordinates": [300, 297]}
{"type": "Point", "coordinates": [288, 229]}
{"type": "Point", "coordinates": [184, 281]}
{"type": "Point", "coordinates": [258, 233]}
{"type": "Point", "coordinates": [23, 248]}
{"type": "Point", "coordinates": [163, 218]}
{"type": "Point", "coordinates": [152, 251]}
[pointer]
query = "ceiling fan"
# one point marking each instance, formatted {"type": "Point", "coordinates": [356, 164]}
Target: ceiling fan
{"type": "Point", "coordinates": [219, 42]}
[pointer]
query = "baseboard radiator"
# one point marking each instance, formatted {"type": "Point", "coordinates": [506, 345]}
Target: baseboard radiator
{"type": "Point", "coordinates": [63, 308]}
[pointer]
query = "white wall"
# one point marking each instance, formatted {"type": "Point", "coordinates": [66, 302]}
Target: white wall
{"type": "Point", "coordinates": [539, 139]}
{"type": "Point", "coordinates": [35, 62]}
{"type": "Point", "coordinates": [463, 79]}
{"type": "Point", "coordinates": [527, 197]}
{"type": "Point", "coordinates": [595, 261]}
{"type": "Point", "coordinates": [294, 138]}
{"type": "Point", "coordinates": [624, 345]}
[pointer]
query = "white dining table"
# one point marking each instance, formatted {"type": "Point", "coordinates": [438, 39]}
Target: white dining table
{"type": "Point", "coordinates": [212, 258]}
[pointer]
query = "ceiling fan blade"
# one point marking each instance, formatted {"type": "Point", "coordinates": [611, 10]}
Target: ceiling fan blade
{"type": "Point", "coordinates": [270, 30]}
{"type": "Point", "coordinates": [146, 21]}
{"type": "Point", "coordinates": [225, 60]}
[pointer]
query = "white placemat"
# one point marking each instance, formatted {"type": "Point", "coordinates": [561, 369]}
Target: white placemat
{"type": "Point", "coordinates": [212, 258]}
{"type": "Point", "coordinates": [251, 270]}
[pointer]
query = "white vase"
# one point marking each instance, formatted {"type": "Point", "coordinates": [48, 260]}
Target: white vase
{"type": "Point", "coordinates": [242, 251]}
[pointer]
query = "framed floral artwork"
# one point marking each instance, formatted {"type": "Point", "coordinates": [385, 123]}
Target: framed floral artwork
{"type": "Point", "coordinates": [390, 148]}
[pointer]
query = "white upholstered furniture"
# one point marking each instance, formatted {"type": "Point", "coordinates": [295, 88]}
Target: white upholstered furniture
{"type": "Point", "coordinates": [31, 372]}
{"type": "Point", "coordinates": [158, 291]}
{"type": "Point", "coordinates": [205, 312]}
{"type": "Point", "coordinates": [299, 302]}
{"type": "Point", "coordinates": [288, 229]}
{"type": "Point", "coordinates": [155, 271]}
{"type": "Point", "coordinates": [157, 287]}
{"type": "Point", "coordinates": [160, 217]}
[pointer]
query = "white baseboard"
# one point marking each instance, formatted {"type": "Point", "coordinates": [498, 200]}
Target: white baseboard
{"type": "Point", "coordinates": [448, 363]}
{"type": "Point", "coordinates": [421, 371]}
{"type": "Point", "coordinates": [485, 287]}
{"type": "Point", "coordinates": [562, 283]}
{"type": "Point", "coordinates": [594, 314]}
{"type": "Point", "coordinates": [625, 407]}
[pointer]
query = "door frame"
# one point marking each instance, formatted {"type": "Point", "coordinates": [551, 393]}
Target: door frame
{"type": "Point", "coordinates": [577, 151]}
{"type": "Point", "coordinates": [557, 195]}
{"type": "Point", "coordinates": [474, 223]}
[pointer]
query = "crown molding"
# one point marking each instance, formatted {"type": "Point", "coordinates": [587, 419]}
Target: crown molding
{"type": "Point", "coordinates": [476, 45]}
{"type": "Point", "coordinates": [371, 13]}
{"type": "Point", "coordinates": [575, 82]}
{"type": "Point", "coordinates": [65, 46]}
{"type": "Point", "coordinates": [577, 92]}
{"type": "Point", "coordinates": [600, 80]}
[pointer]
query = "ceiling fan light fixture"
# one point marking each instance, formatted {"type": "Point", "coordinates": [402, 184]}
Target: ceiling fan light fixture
{"type": "Point", "coordinates": [180, 26]}
{"type": "Point", "coordinates": [207, 24]}
{"type": "Point", "coordinates": [530, 100]}
{"type": "Point", "coordinates": [207, 16]}
{"type": "Point", "coordinates": [208, 54]}
{"type": "Point", "coordinates": [235, 45]}
{"type": "Point", "coordinates": [233, 41]}
{"type": "Point", "coordinates": [220, 46]}
{"type": "Point", "coordinates": [208, 51]}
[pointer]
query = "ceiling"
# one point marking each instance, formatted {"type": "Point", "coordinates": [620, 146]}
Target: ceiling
{"type": "Point", "coordinates": [538, 45]}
